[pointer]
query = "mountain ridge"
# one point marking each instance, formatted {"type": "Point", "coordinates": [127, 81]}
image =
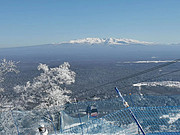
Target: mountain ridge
{"type": "Point", "coordinates": [107, 41]}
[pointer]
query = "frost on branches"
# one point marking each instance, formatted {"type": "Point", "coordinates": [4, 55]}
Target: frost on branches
{"type": "Point", "coordinates": [5, 67]}
{"type": "Point", "coordinates": [46, 90]}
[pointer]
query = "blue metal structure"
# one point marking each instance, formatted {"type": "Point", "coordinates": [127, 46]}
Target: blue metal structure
{"type": "Point", "coordinates": [129, 109]}
{"type": "Point", "coordinates": [156, 114]}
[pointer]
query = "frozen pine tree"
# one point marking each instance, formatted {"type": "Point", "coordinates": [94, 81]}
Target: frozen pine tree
{"type": "Point", "coordinates": [46, 90]}
{"type": "Point", "coordinates": [6, 66]}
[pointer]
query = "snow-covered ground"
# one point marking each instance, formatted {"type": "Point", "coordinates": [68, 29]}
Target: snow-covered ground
{"type": "Point", "coordinates": [172, 117]}
{"type": "Point", "coordinates": [147, 61]}
{"type": "Point", "coordinates": [173, 84]}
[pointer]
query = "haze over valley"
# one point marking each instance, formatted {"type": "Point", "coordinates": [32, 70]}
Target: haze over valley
{"type": "Point", "coordinates": [97, 61]}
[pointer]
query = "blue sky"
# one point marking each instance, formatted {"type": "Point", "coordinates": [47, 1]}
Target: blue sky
{"type": "Point", "coordinates": [35, 22]}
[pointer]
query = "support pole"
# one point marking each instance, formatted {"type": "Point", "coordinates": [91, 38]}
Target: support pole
{"type": "Point", "coordinates": [79, 115]}
{"type": "Point", "coordinates": [132, 114]}
{"type": "Point", "coordinates": [60, 123]}
{"type": "Point", "coordinates": [50, 117]}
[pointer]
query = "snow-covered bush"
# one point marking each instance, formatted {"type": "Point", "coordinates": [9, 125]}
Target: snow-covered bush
{"type": "Point", "coordinates": [46, 90]}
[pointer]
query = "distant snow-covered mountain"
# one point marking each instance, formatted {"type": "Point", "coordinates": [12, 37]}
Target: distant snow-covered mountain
{"type": "Point", "coordinates": [97, 49]}
{"type": "Point", "coordinates": [107, 41]}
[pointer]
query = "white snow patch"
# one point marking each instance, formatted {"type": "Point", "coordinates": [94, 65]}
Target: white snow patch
{"type": "Point", "coordinates": [173, 84]}
{"type": "Point", "coordinates": [96, 98]}
{"type": "Point", "coordinates": [152, 61]}
{"type": "Point", "coordinates": [172, 117]}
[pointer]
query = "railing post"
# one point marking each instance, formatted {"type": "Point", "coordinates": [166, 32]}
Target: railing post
{"type": "Point", "coordinates": [132, 114]}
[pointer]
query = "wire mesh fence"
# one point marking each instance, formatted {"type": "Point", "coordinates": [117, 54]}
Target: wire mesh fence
{"type": "Point", "coordinates": [154, 120]}
{"type": "Point", "coordinates": [156, 114]}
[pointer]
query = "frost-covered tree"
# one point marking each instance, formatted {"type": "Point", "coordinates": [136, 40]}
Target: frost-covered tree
{"type": "Point", "coordinates": [6, 66]}
{"type": "Point", "coordinates": [46, 90]}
